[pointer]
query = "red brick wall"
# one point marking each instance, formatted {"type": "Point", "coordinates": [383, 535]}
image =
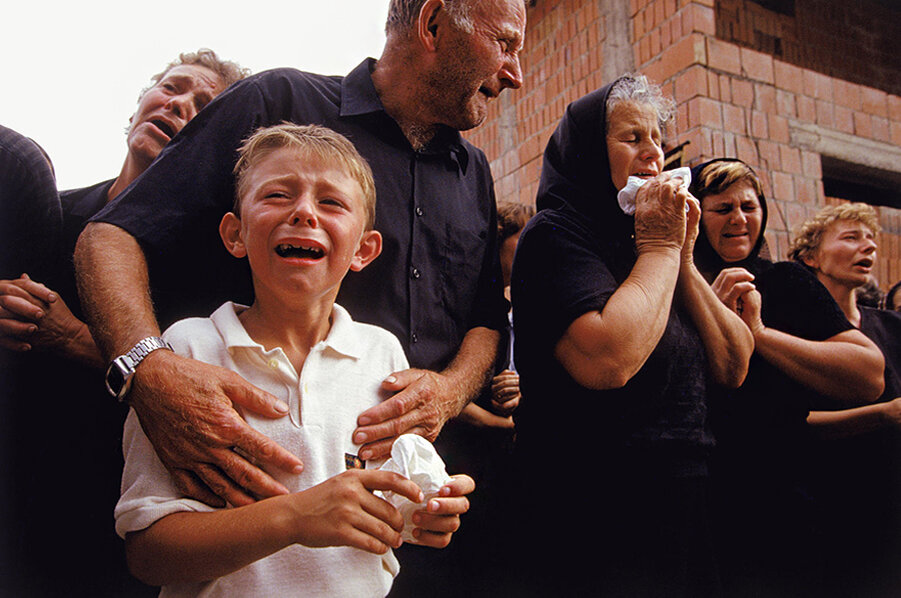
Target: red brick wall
{"type": "Point", "coordinates": [854, 41]}
{"type": "Point", "coordinates": [732, 101]}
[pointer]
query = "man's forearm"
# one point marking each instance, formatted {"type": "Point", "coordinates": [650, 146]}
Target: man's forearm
{"type": "Point", "coordinates": [472, 367]}
{"type": "Point", "coordinates": [114, 288]}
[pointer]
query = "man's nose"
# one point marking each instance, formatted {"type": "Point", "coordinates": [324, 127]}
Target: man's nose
{"type": "Point", "coordinates": [511, 72]}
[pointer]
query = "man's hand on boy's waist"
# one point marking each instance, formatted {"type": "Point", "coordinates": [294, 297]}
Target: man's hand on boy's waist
{"type": "Point", "coordinates": [185, 409]}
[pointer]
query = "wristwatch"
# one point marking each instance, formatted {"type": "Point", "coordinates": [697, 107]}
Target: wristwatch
{"type": "Point", "coordinates": [122, 369]}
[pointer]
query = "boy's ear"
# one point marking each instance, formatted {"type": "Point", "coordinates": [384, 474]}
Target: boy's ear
{"type": "Point", "coordinates": [369, 249]}
{"type": "Point", "coordinates": [230, 232]}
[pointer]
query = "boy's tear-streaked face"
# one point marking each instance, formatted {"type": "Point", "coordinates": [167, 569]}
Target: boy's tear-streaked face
{"type": "Point", "coordinates": [302, 221]}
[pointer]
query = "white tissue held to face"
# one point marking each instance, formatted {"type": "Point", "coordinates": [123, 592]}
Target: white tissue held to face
{"type": "Point", "coordinates": [626, 195]}
{"type": "Point", "coordinates": [415, 458]}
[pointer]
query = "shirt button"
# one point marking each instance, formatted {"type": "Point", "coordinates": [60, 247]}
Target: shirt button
{"type": "Point", "coordinates": [414, 338]}
{"type": "Point", "coordinates": [273, 363]}
{"type": "Point", "coordinates": [415, 273]}
{"type": "Point", "coordinates": [418, 211]}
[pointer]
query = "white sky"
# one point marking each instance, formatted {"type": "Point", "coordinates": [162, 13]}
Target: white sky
{"type": "Point", "coordinates": [72, 70]}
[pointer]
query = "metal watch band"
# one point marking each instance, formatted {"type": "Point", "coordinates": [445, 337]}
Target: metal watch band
{"type": "Point", "coordinates": [143, 348]}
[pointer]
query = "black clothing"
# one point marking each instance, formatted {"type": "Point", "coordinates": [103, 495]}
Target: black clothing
{"type": "Point", "coordinates": [622, 471]}
{"type": "Point", "coordinates": [763, 509]}
{"type": "Point", "coordinates": [30, 214]}
{"type": "Point", "coordinates": [883, 327]}
{"type": "Point", "coordinates": [794, 302]}
{"type": "Point", "coordinates": [79, 206]}
{"type": "Point", "coordinates": [765, 529]}
{"type": "Point", "coordinates": [67, 461]}
{"type": "Point", "coordinates": [859, 487]}
{"type": "Point", "coordinates": [439, 272]}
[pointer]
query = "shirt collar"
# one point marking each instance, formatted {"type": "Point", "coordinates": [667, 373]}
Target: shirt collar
{"type": "Point", "coordinates": [341, 336]}
{"type": "Point", "coordinates": [359, 97]}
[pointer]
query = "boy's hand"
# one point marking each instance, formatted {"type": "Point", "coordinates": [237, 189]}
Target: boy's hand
{"type": "Point", "coordinates": [437, 523]}
{"type": "Point", "coordinates": [343, 511]}
{"type": "Point", "coordinates": [185, 408]}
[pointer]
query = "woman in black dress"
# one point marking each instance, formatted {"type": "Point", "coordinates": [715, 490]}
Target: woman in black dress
{"type": "Point", "coordinates": [857, 455]}
{"type": "Point", "coordinates": [617, 339]}
{"type": "Point", "coordinates": [806, 353]}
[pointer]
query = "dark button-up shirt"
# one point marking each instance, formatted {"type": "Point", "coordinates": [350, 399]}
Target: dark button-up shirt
{"type": "Point", "coordinates": [438, 275]}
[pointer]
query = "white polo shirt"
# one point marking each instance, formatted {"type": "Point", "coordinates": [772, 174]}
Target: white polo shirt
{"type": "Point", "coordinates": [340, 379]}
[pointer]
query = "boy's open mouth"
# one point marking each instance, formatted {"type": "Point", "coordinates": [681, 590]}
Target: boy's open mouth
{"type": "Point", "coordinates": [298, 251]}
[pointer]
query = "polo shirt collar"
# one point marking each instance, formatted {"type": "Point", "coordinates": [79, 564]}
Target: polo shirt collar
{"type": "Point", "coordinates": [341, 337]}
{"type": "Point", "coordinates": [359, 97]}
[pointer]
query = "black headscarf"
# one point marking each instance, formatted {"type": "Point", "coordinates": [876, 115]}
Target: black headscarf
{"type": "Point", "coordinates": [706, 258]}
{"type": "Point", "coordinates": [575, 176]}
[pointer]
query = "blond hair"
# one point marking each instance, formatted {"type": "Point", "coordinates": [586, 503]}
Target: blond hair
{"type": "Point", "coordinates": [313, 140]}
{"type": "Point", "coordinates": [810, 234]}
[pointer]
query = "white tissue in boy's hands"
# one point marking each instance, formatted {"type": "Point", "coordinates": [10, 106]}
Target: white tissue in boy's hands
{"type": "Point", "coordinates": [415, 458]}
{"type": "Point", "coordinates": [626, 195]}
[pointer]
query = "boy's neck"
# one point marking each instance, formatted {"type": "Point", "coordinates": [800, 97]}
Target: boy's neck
{"type": "Point", "coordinates": [294, 328]}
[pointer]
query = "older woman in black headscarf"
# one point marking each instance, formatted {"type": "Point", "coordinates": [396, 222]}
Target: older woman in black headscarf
{"type": "Point", "coordinates": [618, 338]}
{"type": "Point", "coordinates": [806, 355]}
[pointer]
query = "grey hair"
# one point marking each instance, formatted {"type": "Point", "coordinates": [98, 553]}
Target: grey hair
{"type": "Point", "coordinates": [633, 88]}
{"type": "Point", "coordinates": [402, 14]}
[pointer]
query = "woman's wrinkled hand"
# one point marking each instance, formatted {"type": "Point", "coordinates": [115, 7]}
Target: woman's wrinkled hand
{"type": "Point", "coordinates": [660, 218]}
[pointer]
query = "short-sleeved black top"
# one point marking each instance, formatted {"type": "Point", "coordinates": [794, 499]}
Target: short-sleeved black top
{"type": "Point", "coordinates": [563, 270]}
{"type": "Point", "coordinates": [438, 275]}
{"type": "Point", "coordinates": [79, 206]}
{"type": "Point", "coordinates": [570, 259]}
{"type": "Point", "coordinates": [883, 327]}
{"type": "Point", "coordinates": [794, 302]}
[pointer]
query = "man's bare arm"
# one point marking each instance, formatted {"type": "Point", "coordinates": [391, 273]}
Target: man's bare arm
{"type": "Point", "coordinates": [184, 406]}
{"type": "Point", "coordinates": [425, 400]}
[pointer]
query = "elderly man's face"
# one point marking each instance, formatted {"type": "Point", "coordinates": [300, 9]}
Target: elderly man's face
{"type": "Point", "coordinates": [474, 68]}
{"type": "Point", "coordinates": [166, 108]}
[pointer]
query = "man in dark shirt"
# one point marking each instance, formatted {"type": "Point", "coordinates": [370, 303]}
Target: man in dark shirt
{"type": "Point", "coordinates": [438, 287]}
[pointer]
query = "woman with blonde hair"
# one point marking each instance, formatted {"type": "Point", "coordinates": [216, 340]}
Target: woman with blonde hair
{"type": "Point", "coordinates": [858, 456]}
